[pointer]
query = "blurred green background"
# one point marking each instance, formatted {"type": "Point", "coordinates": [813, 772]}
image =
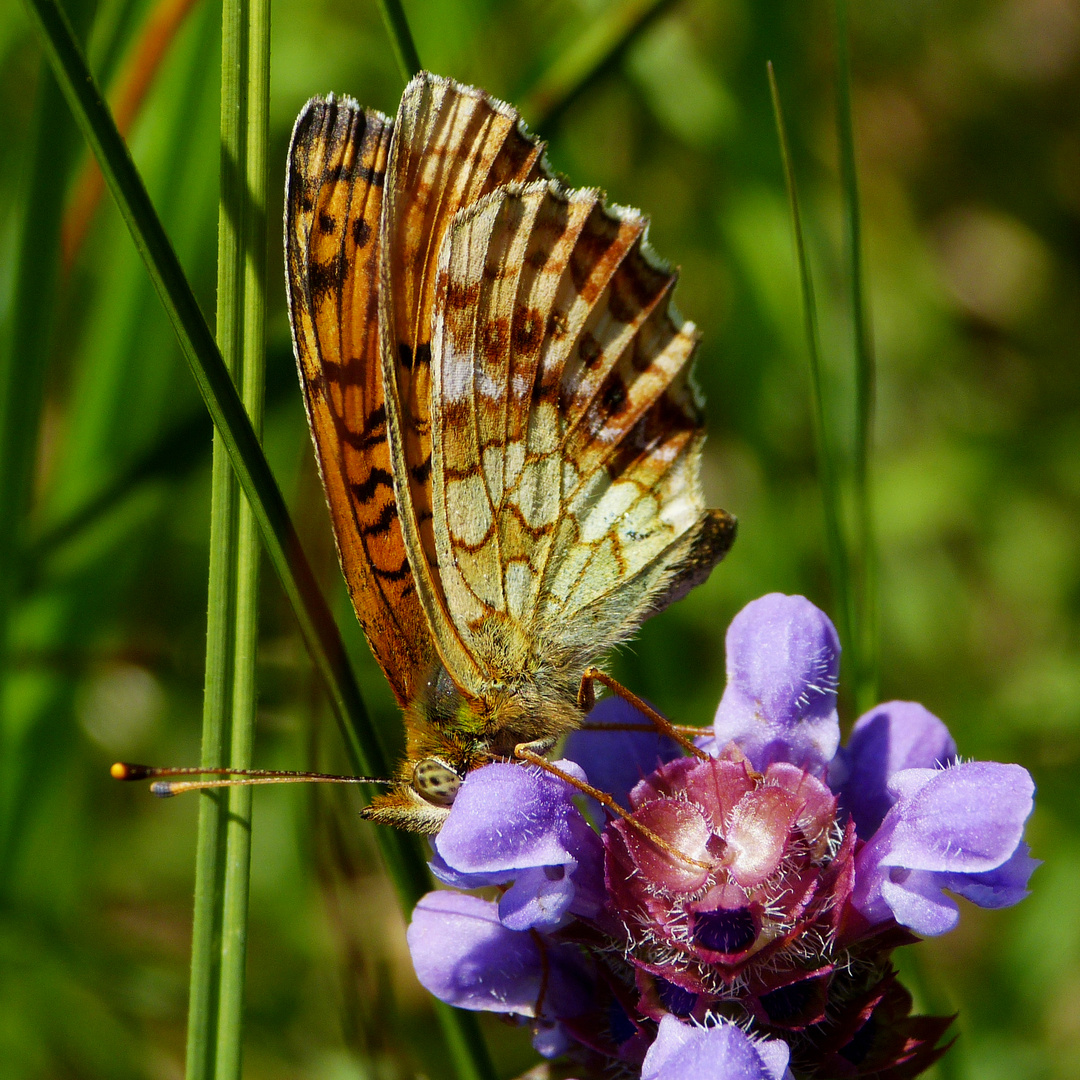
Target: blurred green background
{"type": "Point", "coordinates": [968, 133]}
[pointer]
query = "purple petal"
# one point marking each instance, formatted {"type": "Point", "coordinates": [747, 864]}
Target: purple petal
{"type": "Point", "coordinates": [967, 819]}
{"type": "Point", "coordinates": [723, 1052]}
{"type": "Point", "coordinates": [445, 873]}
{"type": "Point", "coordinates": [895, 736]}
{"type": "Point", "coordinates": [515, 824]}
{"type": "Point", "coordinates": [916, 901]}
{"type": "Point", "coordinates": [615, 761]}
{"type": "Point", "coordinates": [1003, 887]}
{"type": "Point", "coordinates": [464, 956]}
{"type": "Point", "coordinates": [550, 1039]}
{"type": "Point", "coordinates": [508, 817]}
{"type": "Point", "coordinates": [538, 899]}
{"type": "Point", "coordinates": [783, 662]}
{"type": "Point", "coordinates": [590, 891]}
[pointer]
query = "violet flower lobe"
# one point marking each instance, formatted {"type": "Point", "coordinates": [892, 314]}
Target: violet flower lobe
{"type": "Point", "coordinates": [721, 1052]}
{"type": "Point", "coordinates": [741, 916]}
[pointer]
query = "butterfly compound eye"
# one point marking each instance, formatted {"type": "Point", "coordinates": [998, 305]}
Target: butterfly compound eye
{"type": "Point", "coordinates": [435, 782]}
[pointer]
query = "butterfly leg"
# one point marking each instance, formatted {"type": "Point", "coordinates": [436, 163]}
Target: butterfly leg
{"type": "Point", "coordinates": [540, 747]}
{"type": "Point", "coordinates": [524, 752]}
{"type": "Point", "coordinates": [587, 698]}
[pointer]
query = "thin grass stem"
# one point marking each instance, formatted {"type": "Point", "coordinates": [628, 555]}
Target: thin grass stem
{"type": "Point", "coordinates": [219, 941]}
{"type": "Point", "coordinates": [252, 265]}
{"type": "Point", "coordinates": [404, 861]}
{"type": "Point", "coordinates": [401, 39]}
{"type": "Point", "coordinates": [865, 600]}
{"type": "Point", "coordinates": [592, 53]}
{"type": "Point", "coordinates": [839, 565]}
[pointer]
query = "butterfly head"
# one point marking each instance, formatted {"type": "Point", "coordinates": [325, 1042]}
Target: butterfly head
{"type": "Point", "coordinates": [445, 740]}
{"type": "Point", "coordinates": [450, 733]}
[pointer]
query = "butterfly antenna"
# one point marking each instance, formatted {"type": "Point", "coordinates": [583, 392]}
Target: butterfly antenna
{"type": "Point", "coordinates": [165, 788]}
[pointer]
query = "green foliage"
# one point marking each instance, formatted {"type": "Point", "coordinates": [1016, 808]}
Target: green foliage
{"type": "Point", "coordinates": [969, 180]}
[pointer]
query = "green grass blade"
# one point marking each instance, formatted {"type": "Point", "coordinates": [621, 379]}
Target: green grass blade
{"type": "Point", "coordinates": [219, 940]}
{"type": "Point", "coordinates": [867, 678]}
{"type": "Point", "coordinates": [250, 259]}
{"type": "Point", "coordinates": [24, 357]}
{"type": "Point", "coordinates": [397, 26]}
{"type": "Point", "coordinates": [839, 566]}
{"type": "Point", "coordinates": [402, 855]}
{"type": "Point", "coordinates": [593, 52]}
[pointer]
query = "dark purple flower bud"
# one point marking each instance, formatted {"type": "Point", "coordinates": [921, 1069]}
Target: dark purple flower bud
{"type": "Point", "coordinates": [465, 956]}
{"type": "Point", "coordinates": [895, 736]}
{"type": "Point", "coordinates": [515, 824]}
{"type": "Point", "coordinates": [960, 829]}
{"type": "Point", "coordinates": [725, 877]}
{"type": "Point", "coordinates": [616, 760]}
{"type": "Point", "coordinates": [783, 662]}
{"type": "Point", "coordinates": [721, 1052]}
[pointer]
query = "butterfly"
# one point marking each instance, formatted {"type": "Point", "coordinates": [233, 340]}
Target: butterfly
{"type": "Point", "coordinates": [499, 394]}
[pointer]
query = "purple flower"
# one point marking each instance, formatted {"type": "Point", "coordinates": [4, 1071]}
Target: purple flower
{"type": "Point", "coordinates": [783, 664]}
{"type": "Point", "coordinates": [722, 1052]}
{"type": "Point", "coordinates": [745, 907]}
{"type": "Point", "coordinates": [958, 829]}
{"type": "Point", "coordinates": [894, 736]}
{"type": "Point", "coordinates": [465, 956]}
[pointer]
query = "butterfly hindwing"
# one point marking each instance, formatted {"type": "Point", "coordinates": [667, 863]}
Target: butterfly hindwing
{"type": "Point", "coordinates": [567, 436]}
{"type": "Point", "coordinates": [333, 206]}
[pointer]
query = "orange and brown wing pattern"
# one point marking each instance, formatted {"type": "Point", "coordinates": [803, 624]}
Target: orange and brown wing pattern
{"type": "Point", "coordinates": [567, 501]}
{"type": "Point", "coordinates": [333, 207]}
{"type": "Point", "coordinates": [452, 145]}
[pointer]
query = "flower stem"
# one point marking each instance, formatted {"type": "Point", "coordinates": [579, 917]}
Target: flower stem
{"type": "Point", "coordinates": [865, 598]}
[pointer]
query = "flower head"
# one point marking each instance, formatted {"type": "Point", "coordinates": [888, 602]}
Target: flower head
{"type": "Point", "coordinates": [740, 916]}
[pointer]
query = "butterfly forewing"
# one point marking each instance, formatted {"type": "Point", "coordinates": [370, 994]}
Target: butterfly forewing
{"type": "Point", "coordinates": [337, 168]}
{"type": "Point", "coordinates": [452, 144]}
